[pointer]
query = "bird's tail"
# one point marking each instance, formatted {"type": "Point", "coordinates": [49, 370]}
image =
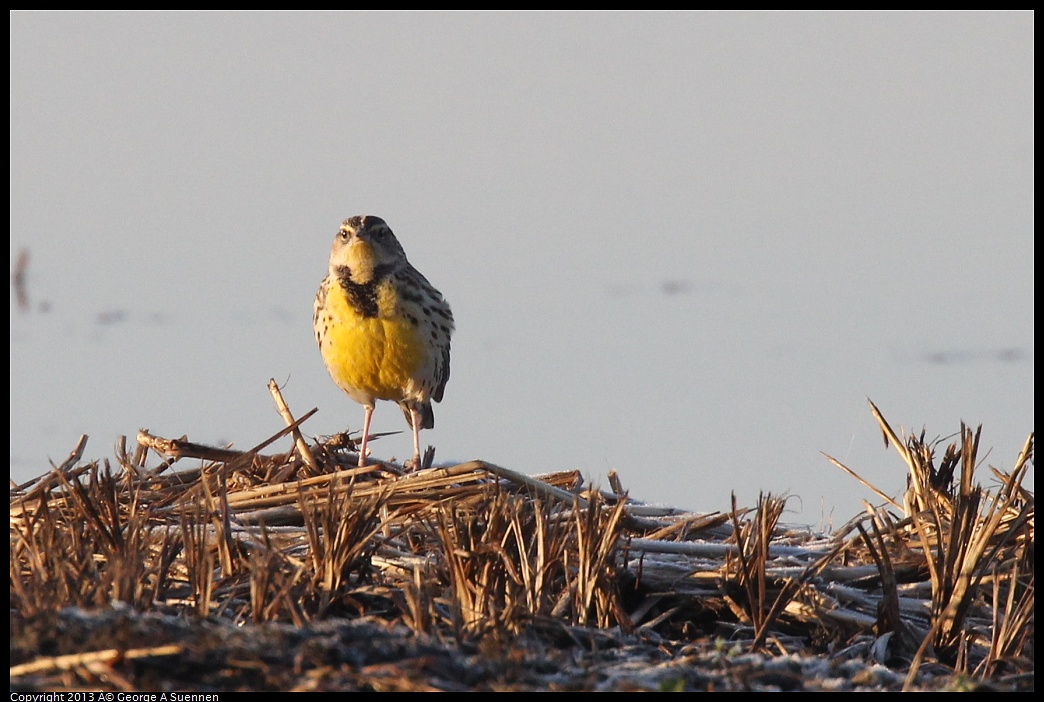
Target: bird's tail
{"type": "Point", "coordinates": [426, 413]}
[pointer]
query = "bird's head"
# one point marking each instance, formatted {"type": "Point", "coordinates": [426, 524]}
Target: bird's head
{"type": "Point", "coordinates": [366, 249]}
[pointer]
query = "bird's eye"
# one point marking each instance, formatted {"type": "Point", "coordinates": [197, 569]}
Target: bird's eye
{"type": "Point", "coordinates": [343, 235]}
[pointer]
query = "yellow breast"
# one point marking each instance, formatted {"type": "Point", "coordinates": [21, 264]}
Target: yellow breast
{"type": "Point", "coordinates": [369, 357]}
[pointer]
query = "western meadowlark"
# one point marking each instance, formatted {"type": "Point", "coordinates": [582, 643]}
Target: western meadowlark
{"type": "Point", "coordinates": [383, 330]}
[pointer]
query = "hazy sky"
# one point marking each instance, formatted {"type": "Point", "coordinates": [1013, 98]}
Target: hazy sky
{"type": "Point", "coordinates": [683, 246]}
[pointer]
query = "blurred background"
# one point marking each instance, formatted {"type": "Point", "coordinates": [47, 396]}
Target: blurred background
{"type": "Point", "coordinates": [686, 247]}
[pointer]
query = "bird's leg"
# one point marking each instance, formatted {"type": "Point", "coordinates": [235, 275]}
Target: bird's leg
{"type": "Point", "coordinates": [368, 413]}
{"type": "Point", "coordinates": [415, 420]}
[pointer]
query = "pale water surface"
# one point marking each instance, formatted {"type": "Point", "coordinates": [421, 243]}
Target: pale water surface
{"type": "Point", "coordinates": [683, 246]}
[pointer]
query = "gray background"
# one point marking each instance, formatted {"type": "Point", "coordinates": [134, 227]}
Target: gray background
{"type": "Point", "coordinates": [683, 246]}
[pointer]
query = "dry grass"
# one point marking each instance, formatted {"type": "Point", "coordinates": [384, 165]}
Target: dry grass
{"type": "Point", "coordinates": [475, 553]}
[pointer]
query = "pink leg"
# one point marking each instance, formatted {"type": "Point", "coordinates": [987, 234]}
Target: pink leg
{"type": "Point", "coordinates": [365, 435]}
{"type": "Point", "coordinates": [415, 420]}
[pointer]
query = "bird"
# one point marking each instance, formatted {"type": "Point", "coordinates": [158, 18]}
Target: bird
{"type": "Point", "coordinates": [383, 330]}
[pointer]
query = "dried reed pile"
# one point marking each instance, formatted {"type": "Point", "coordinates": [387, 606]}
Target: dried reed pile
{"type": "Point", "coordinates": [938, 589]}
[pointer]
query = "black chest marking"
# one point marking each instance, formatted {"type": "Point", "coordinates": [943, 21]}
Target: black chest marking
{"type": "Point", "coordinates": [363, 296]}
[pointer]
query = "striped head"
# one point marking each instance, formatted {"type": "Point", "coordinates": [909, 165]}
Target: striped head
{"type": "Point", "coordinates": [365, 250]}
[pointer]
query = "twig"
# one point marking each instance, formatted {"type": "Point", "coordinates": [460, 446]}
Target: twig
{"type": "Point", "coordinates": [284, 412]}
{"type": "Point", "coordinates": [855, 475]}
{"type": "Point", "coordinates": [108, 656]}
{"type": "Point", "coordinates": [532, 483]}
